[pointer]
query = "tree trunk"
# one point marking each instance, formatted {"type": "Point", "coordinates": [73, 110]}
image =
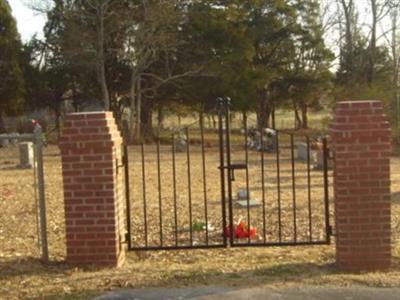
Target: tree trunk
{"type": "Point", "coordinates": [297, 118]}
{"type": "Point", "coordinates": [201, 117]}
{"type": "Point", "coordinates": [396, 71]}
{"type": "Point", "coordinates": [132, 107]}
{"type": "Point", "coordinates": [138, 129]}
{"type": "Point", "coordinates": [160, 117]}
{"type": "Point", "coordinates": [304, 116]}
{"type": "Point", "coordinates": [372, 45]}
{"type": "Point", "coordinates": [244, 116]}
{"type": "Point", "coordinates": [273, 117]}
{"type": "Point", "coordinates": [209, 121]}
{"type": "Point", "coordinates": [101, 59]}
{"type": "Point", "coordinates": [264, 113]}
{"type": "Point", "coordinates": [146, 118]}
{"type": "Point", "coordinates": [347, 56]}
{"type": "Point", "coordinates": [2, 123]}
{"type": "Point", "coordinates": [58, 121]}
{"type": "Point", "coordinates": [214, 120]}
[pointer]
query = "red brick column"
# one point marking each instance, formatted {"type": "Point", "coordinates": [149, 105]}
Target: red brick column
{"type": "Point", "coordinates": [361, 144]}
{"type": "Point", "coordinates": [91, 152]}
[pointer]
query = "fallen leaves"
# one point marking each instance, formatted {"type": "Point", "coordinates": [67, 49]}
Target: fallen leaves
{"type": "Point", "coordinates": [23, 276]}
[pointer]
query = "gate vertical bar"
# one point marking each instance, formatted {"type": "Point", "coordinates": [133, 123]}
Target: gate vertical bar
{"type": "Point", "coordinates": [203, 156]}
{"type": "Point", "coordinates": [36, 191]}
{"type": "Point", "coordinates": [263, 181]}
{"type": "Point", "coordinates": [326, 190]}
{"type": "Point", "coordinates": [293, 186]}
{"type": "Point", "coordinates": [159, 189]}
{"type": "Point", "coordinates": [221, 111]}
{"type": "Point", "coordinates": [189, 185]}
{"type": "Point", "coordinates": [228, 161]}
{"type": "Point", "coordinates": [174, 189]}
{"type": "Point", "coordinates": [278, 186]}
{"type": "Point", "coordinates": [246, 133]}
{"type": "Point", "coordinates": [309, 190]}
{"type": "Point", "coordinates": [128, 197]}
{"type": "Point", "coordinates": [144, 197]}
{"type": "Point", "coordinates": [42, 196]}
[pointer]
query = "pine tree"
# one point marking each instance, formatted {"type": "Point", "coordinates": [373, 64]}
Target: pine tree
{"type": "Point", "coordinates": [12, 83]}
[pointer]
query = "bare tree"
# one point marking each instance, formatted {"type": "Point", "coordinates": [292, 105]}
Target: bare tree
{"type": "Point", "coordinates": [348, 11]}
{"type": "Point", "coordinates": [152, 38]}
{"type": "Point", "coordinates": [102, 10]}
{"type": "Point", "coordinates": [379, 9]}
{"type": "Point", "coordinates": [392, 39]}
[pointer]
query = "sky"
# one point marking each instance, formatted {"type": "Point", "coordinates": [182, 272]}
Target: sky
{"type": "Point", "coordinates": [28, 21]}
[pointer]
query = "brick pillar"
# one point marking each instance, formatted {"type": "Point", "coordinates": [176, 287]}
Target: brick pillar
{"type": "Point", "coordinates": [361, 144]}
{"type": "Point", "coordinates": [94, 209]}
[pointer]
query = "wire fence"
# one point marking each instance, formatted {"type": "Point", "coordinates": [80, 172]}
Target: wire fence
{"type": "Point", "coordinates": [22, 177]}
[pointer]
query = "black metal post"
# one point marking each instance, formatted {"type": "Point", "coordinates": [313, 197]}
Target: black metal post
{"type": "Point", "coordinates": [221, 112]}
{"type": "Point", "coordinates": [144, 196]}
{"type": "Point", "coordinates": [326, 190]}
{"type": "Point", "coordinates": [203, 155]}
{"type": "Point", "coordinates": [309, 190]}
{"type": "Point", "coordinates": [159, 190]}
{"type": "Point", "coordinates": [228, 161]}
{"type": "Point", "coordinates": [278, 185]}
{"type": "Point", "coordinates": [293, 187]}
{"type": "Point", "coordinates": [127, 198]}
{"type": "Point", "coordinates": [189, 186]}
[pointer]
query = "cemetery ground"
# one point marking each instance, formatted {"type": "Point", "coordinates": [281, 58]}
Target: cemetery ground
{"type": "Point", "coordinates": [22, 275]}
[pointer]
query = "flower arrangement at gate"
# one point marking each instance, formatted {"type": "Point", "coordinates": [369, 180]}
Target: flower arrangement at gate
{"type": "Point", "coordinates": [240, 231]}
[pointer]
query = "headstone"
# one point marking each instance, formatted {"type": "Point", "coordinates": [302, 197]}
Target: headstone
{"type": "Point", "coordinates": [250, 203]}
{"type": "Point", "coordinates": [13, 140]}
{"type": "Point", "coordinates": [253, 139]}
{"type": "Point", "coordinates": [271, 140]}
{"type": "Point", "coordinates": [242, 194]}
{"type": "Point", "coordinates": [4, 141]}
{"type": "Point", "coordinates": [318, 160]}
{"type": "Point", "coordinates": [265, 142]}
{"type": "Point", "coordinates": [302, 149]}
{"type": "Point", "coordinates": [180, 142]}
{"type": "Point", "coordinates": [26, 155]}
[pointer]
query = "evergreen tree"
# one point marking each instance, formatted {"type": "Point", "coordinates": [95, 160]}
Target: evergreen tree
{"type": "Point", "coordinates": [12, 83]}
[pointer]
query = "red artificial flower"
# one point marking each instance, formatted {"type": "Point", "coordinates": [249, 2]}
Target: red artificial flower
{"type": "Point", "coordinates": [240, 231]}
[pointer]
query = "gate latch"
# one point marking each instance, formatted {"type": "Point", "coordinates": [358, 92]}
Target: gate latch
{"type": "Point", "coordinates": [232, 167]}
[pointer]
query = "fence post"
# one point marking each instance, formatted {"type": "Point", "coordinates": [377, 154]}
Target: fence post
{"type": "Point", "coordinates": [93, 190]}
{"type": "Point", "coordinates": [361, 144]}
{"type": "Point", "coordinates": [41, 192]}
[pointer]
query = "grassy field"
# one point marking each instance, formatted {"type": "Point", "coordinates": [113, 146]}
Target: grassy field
{"type": "Point", "coordinates": [22, 275]}
{"type": "Point", "coordinates": [284, 120]}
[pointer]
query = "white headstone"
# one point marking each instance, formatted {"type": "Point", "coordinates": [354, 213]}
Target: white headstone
{"type": "Point", "coordinates": [302, 151]}
{"type": "Point", "coordinates": [4, 142]}
{"type": "Point", "coordinates": [26, 155]}
{"type": "Point", "coordinates": [180, 142]}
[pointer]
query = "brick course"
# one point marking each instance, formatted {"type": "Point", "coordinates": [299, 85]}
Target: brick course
{"type": "Point", "coordinates": [361, 145]}
{"type": "Point", "coordinates": [90, 146]}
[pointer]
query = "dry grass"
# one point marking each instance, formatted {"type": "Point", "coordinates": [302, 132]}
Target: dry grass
{"type": "Point", "coordinates": [203, 204]}
{"type": "Point", "coordinates": [23, 276]}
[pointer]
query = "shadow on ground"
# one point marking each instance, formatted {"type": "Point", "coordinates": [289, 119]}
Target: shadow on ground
{"type": "Point", "coordinates": [283, 273]}
{"type": "Point", "coordinates": [31, 266]}
{"type": "Point", "coordinates": [126, 277]}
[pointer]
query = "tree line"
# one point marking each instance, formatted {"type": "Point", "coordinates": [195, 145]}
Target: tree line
{"type": "Point", "coordinates": [141, 57]}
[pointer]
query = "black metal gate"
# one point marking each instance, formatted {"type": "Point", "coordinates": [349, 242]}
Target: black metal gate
{"type": "Point", "coordinates": [223, 186]}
